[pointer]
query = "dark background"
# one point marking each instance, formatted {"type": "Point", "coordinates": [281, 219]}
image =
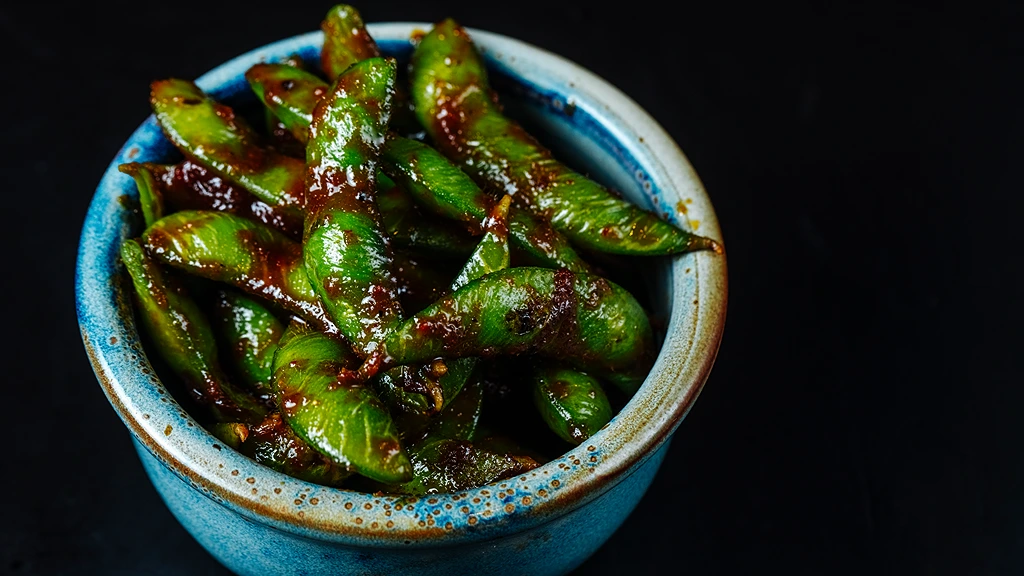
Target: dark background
{"type": "Point", "coordinates": [864, 162]}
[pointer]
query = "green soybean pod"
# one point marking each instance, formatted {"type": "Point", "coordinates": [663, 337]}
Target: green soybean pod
{"type": "Point", "coordinates": [289, 93]}
{"type": "Point", "coordinates": [347, 254]}
{"type": "Point", "coordinates": [423, 389]}
{"type": "Point", "coordinates": [191, 186]}
{"type": "Point", "coordinates": [453, 101]}
{"type": "Point", "coordinates": [280, 138]}
{"type": "Point", "coordinates": [572, 403]}
{"type": "Point", "coordinates": [210, 133]}
{"type": "Point", "coordinates": [445, 460]}
{"type": "Point", "coordinates": [458, 420]}
{"type": "Point", "coordinates": [184, 339]}
{"type": "Point", "coordinates": [492, 253]}
{"type": "Point", "coordinates": [408, 227]}
{"type": "Point", "coordinates": [150, 197]}
{"type": "Point", "coordinates": [583, 319]}
{"type": "Point", "coordinates": [249, 333]}
{"type": "Point", "coordinates": [340, 417]}
{"type": "Point", "coordinates": [454, 465]}
{"type": "Point", "coordinates": [232, 434]}
{"type": "Point", "coordinates": [346, 42]}
{"type": "Point", "coordinates": [275, 445]}
{"type": "Point", "coordinates": [237, 251]}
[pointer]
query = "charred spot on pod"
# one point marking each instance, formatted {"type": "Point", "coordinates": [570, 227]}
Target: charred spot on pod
{"type": "Point", "coordinates": [521, 321]}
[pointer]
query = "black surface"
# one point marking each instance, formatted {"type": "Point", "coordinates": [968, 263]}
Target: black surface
{"type": "Point", "coordinates": [864, 163]}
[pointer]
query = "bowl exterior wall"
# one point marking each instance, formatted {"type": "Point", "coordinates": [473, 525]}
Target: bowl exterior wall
{"type": "Point", "coordinates": [254, 549]}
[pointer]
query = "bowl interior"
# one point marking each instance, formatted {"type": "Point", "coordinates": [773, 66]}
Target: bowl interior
{"type": "Point", "coordinates": [589, 125]}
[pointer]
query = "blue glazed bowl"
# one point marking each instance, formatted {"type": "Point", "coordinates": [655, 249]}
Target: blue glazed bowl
{"type": "Point", "coordinates": [257, 521]}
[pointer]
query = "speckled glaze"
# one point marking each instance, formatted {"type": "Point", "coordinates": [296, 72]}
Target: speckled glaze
{"type": "Point", "coordinates": [257, 521]}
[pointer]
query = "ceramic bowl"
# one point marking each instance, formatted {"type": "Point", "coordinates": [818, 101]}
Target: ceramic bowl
{"type": "Point", "coordinates": [257, 521]}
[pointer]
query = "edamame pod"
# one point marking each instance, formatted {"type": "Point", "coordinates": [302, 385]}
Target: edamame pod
{"type": "Point", "coordinates": [572, 404]}
{"type": "Point", "coordinates": [347, 42]}
{"type": "Point", "coordinates": [190, 186]}
{"type": "Point", "coordinates": [289, 93]}
{"type": "Point", "coordinates": [281, 139]}
{"type": "Point", "coordinates": [246, 254]}
{"type": "Point", "coordinates": [458, 421]}
{"type": "Point", "coordinates": [184, 339]}
{"type": "Point", "coordinates": [492, 253]}
{"type": "Point", "coordinates": [150, 197]}
{"type": "Point", "coordinates": [444, 459]}
{"type": "Point", "coordinates": [426, 388]}
{"type": "Point", "coordinates": [275, 445]}
{"type": "Point", "coordinates": [347, 254]}
{"type": "Point", "coordinates": [408, 228]}
{"type": "Point", "coordinates": [249, 333]}
{"type": "Point", "coordinates": [340, 418]}
{"type": "Point", "coordinates": [454, 465]}
{"type": "Point", "coordinates": [432, 179]}
{"type": "Point", "coordinates": [583, 319]}
{"type": "Point", "coordinates": [453, 101]}
{"type": "Point", "coordinates": [233, 434]}
{"type": "Point", "coordinates": [447, 191]}
{"type": "Point", "coordinates": [210, 133]}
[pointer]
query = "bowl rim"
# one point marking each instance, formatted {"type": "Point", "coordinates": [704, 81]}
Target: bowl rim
{"type": "Point", "coordinates": [511, 505]}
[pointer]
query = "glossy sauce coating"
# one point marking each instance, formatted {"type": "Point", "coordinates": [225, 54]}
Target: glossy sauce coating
{"type": "Point", "coordinates": [359, 394]}
{"type": "Point", "coordinates": [341, 419]}
{"type": "Point", "coordinates": [228, 248]}
{"type": "Point", "coordinates": [454, 102]}
{"type": "Point", "coordinates": [572, 403]}
{"type": "Point", "coordinates": [447, 191]}
{"type": "Point", "coordinates": [184, 338]}
{"type": "Point", "coordinates": [188, 185]}
{"type": "Point", "coordinates": [248, 332]}
{"type": "Point", "coordinates": [274, 444]}
{"type": "Point", "coordinates": [346, 250]}
{"type": "Point", "coordinates": [492, 254]}
{"type": "Point", "coordinates": [211, 134]}
{"type": "Point", "coordinates": [582, 319]}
